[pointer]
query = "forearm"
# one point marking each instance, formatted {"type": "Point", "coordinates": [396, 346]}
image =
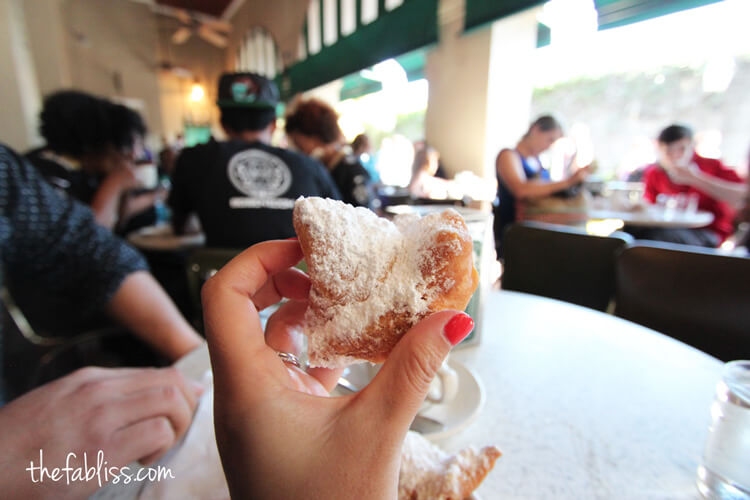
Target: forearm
{"type": "Point", "coordinates": [733, 193]}
{"type": "Point", "coordinates": [141, 305]}
{"type": "Point", "coordinates": [537, 189]}
{"type": "Point", "coordinates": [106, 204]}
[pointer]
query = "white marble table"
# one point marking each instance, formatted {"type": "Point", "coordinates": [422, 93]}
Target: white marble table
{"type": "Point", "coordinates": [654, 216]}
{"type": "Point", "coordinates": [585, 405]}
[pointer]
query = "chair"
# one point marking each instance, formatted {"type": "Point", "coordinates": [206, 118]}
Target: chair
{"type": "Point", "coordinates": [32, 356]}
{"type": "Point", "coordinates": [201, 265]}
{"type": "Point", "coordinates": [561, 262]}
{"type": "Point", "coordinates": [690, 293]}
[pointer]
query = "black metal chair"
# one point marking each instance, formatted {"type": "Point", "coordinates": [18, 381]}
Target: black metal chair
{"type": "Point", "coordinates": [201, 265]}
{"type": "Point", "coordinates": [562, 262]}
{"type": "Point", "coordinates": [693, 294]}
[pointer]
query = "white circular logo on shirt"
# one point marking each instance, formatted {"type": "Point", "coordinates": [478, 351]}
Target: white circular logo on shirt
{"type": "Point", "coordinates": [259, 174]}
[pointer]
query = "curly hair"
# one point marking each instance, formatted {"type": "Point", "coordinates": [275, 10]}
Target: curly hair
{"type": "Point", "coordinates": [315, 118]}
{"type": "Point", "coordinates": [76, 123]}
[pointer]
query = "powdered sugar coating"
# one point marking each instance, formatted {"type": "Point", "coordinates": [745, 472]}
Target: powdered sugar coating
{"type": "Point", "coordinates": [366, 267]}
{"type": "Point", "coordinates": [427, 472]}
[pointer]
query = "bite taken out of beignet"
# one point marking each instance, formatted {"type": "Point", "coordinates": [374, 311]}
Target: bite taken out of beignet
{"type": "Point", "coordinates": [373, 279]}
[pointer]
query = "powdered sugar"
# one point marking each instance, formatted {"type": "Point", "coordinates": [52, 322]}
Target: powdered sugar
{"type": "Point", "coordinates": [368, 266]}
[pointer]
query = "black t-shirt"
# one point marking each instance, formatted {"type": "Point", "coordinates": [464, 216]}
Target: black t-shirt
{"type": "Point", "coordinates": [353, 181]}
{"type": "Point", "coordinates": [244, 193]}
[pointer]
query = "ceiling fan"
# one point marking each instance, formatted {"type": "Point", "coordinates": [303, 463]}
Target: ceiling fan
{"type": "Point", "coordinates": [213, 31]}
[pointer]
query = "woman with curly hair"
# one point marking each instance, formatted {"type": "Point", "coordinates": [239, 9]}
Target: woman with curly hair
{"type": "Point", "coordinates": [90, 154]}
{"type": "Point", "coordinates": [313, 128]}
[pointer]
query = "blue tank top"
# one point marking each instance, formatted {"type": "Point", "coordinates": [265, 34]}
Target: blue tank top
{"type": "Point", "coordinates": [505, 203]}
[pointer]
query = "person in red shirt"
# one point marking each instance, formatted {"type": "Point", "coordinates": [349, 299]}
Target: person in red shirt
{"type": "Point", "coordinates": [680, 170]}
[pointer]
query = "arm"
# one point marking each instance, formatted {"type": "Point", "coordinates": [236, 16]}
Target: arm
{"type": "Point", "coordinates": [511, 172]}
{"type": "Point", "coordinates": [106, 201]}
{"type": "Point", "coordinates": [142, 306]}
{"type": "Point", "coordinates": [64, 251]}
{"type": "Point", "coordinates": [728, 191]}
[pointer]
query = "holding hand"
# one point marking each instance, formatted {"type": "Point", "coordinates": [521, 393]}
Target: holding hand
{"type": "Point", "coordinates": [129, 414]}
{"type": "Point", "coordinates": [279, 435]}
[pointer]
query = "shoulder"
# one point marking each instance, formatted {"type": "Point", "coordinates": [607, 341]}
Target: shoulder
{"type": "Point", "coordinates": [508, 156]}
{"type": "Point", "coordinates": [716, 168]}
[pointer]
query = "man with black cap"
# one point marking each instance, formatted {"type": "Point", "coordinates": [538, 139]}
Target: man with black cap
{"type": "Point", "coordinates": [243, 189]}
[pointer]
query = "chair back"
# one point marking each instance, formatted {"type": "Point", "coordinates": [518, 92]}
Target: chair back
{"type": "Point", "coordinates": [690, 293]}
{"type": "Point", "coordinates": [201, 265]}
{"type": "Point", "coordinates": [561, 262]}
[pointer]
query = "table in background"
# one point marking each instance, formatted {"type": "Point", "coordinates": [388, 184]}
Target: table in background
{"type": "Point", "coordinates": [585, 405]}
{"type": "Point", "coordinates": [167, 255]}
{"type": "Point", "coordinates": [653, 216]}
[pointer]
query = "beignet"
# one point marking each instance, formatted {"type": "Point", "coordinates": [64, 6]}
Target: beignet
{"type": "Point", "coordinates": [373, 279]}
{"type": "Point", "coordinates": [429, 473]}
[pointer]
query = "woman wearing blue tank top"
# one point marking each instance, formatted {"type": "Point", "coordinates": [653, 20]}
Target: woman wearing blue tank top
{"type": "Point", "coordinates": [521, 176]}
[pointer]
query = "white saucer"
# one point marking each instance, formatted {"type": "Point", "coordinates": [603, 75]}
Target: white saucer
{"type": "Point", "coordinates": [459, 413]}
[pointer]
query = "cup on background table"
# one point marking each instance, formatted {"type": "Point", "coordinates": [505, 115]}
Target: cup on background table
{"type": "Point", "coordinates": [725, 470]}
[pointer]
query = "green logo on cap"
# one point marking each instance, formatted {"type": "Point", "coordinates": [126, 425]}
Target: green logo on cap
{"type": "Point", "coordinates": [241, 92]}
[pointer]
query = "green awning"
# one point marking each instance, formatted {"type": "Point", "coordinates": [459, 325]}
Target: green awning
{"type": "Point", "coordinates": [356, 85]}
{"type": "Point", "coordinates": [410, 26]}
{"type": "Point", "coordinates": [480, 12]}
{"type": "Point", "coordinates": [614, 13]}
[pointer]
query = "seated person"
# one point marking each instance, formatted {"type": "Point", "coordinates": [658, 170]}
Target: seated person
{"type": "Point", "coordinates": [312, 126]}
{"type": "Point", "coordinates": [681, 170]}
{"type": "Point", "coordinates": [362, 149]}
{"type": "Point", "coordinates": [424, 183]}
{"type": "Point", "coordinates": [129, 414]}
{"type": "Point", "coordinates": [243, 189]}
{"type": "Point", "coordinates": [521, 176]}
{"type": "Point", "coordinates": [90, 154]}
{"type": "Point", "coordinates": [53, 242]}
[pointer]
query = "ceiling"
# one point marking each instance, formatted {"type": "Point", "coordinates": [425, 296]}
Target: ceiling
{"type": "Point", "coordinates": [213, 8]}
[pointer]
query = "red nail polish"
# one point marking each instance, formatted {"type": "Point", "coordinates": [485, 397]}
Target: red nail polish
{"type": "Point", "coordinates": [458, 328]}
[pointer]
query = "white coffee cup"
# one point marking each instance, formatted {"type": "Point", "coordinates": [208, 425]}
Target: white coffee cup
{"type": "Point", "coordinates": [443, 388]}
{"type": "Point", "coordinates": [147, 175]}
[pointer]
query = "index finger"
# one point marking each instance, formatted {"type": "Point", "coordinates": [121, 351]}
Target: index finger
{"type": "Point", "coordinates": [233, 331]}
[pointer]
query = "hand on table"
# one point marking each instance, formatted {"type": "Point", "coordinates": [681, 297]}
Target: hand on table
{"type": "Point", "coordinates": [128, 413]}
{"type": "Point", "coordinates": [279, 435]}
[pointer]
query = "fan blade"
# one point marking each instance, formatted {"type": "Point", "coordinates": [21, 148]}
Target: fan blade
{"type": "Point", "coordinates": [181, 35]}
{"type": "Point", "coordinates": [212, 37]}
{"type": "Point", "coordinates": [218, 25]}
{"type": "Point", "coordinates": [183, 16]}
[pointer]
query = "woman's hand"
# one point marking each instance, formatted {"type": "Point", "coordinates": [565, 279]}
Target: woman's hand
{"type": "Point", "coordinates": [279, 434]}
{"type": "Point", "coordinates": [129, 414]}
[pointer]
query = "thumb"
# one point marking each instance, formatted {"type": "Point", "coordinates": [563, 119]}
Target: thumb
{"type": "Point", "coordinates": [399, 388]}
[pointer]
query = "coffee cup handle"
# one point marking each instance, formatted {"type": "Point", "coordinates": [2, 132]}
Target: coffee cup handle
{"type": "Point", "coordinates": [448, 384]}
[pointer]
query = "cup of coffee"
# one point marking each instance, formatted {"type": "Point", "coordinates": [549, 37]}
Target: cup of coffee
{"type": "Point", "coordinates": [443, 388]}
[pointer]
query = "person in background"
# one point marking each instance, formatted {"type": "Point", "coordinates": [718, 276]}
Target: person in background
{"type": "Point", "coordinates": [90, 152]}
{"type": "Point", "coordinates": [362, 149]}
{"type": "Point", "coordinates": [312, 127]}
{"type": "Point", "coordinates": [521, 176]}
{"type": "Point", "coordinates": [681, 171]}
{"type": "Point", "coordinates": [130, 414]}
{"type": "Point", "coordinates": [424, 183]}
{"type": "Point", "coordinates": [243, 189]}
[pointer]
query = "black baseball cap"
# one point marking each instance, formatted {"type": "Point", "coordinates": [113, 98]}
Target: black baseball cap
{"type": "Point", "coordinates": [247, 90]}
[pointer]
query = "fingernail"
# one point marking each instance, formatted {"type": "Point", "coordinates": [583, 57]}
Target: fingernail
{"type": "Point", "coordinates": [292, 238]}
{"type": "Point", "coordinates": [458, 328]}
